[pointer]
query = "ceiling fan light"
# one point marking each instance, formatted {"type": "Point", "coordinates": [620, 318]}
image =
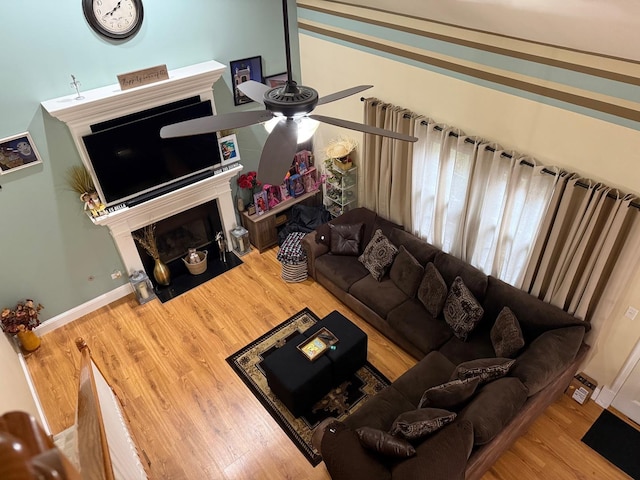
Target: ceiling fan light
{"type": "Point", "coordinates": [306, 126]}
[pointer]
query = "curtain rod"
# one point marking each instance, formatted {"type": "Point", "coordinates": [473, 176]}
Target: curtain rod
{"type": "Point", "coordinates": [507, 155]}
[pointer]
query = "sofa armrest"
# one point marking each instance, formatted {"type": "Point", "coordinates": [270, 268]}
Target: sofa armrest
{"type": "Point", "coordinates": [344, 456]}
{"type": "Point", "coordinates": [313, 251]}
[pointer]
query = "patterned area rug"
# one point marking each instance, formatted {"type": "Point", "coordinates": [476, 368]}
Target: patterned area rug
{"type": "Point", "coordinates": [339, 402]}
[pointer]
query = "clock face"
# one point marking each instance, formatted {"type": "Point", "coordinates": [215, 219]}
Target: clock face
{"type": "Point", "coordinates": [116, 19]}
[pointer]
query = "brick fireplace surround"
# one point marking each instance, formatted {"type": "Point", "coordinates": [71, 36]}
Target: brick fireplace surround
{"type": "Point", "coordinates": [110, 102]}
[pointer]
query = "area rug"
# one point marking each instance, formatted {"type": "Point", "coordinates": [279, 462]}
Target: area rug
{"type": "Point", "coordinates": [616, 441]}
{"type": "Point", "coordinates": [338, 403]}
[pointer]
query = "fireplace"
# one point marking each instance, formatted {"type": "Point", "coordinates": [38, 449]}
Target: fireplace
{"type": "Point", "coordinates": [107, 103]}
{"type": "Point", "coordinates": [193, 228]}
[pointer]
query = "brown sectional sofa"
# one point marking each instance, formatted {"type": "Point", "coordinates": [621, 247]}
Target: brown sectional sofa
{"type": "Point", "coordinates": [497, 414]}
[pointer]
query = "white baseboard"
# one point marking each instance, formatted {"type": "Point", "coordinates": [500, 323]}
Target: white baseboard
{"type": "Point", "coordinates": [70, 315]}
{"type": "Point", "coordinates": [605, 397]}
{"type": "Point", "coordinates": [34, 394]}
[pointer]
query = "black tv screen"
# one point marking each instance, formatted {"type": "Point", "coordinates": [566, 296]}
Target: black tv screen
{"type": "Point", "coordinates": [130, 159]}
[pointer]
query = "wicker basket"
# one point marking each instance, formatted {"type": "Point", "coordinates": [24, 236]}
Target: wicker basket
{"type": "Point", "coordinates": [197, 268]}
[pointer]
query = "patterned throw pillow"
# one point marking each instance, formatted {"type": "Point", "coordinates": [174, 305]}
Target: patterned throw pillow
{"type": "Point", "coordinates": [378, 255]}
{"type": "Point", "coordinates": [418, 423]}
{"type": "Point", "coordinates": [506, 334]}
{"type": "Point", "coordinates": [384, 443]}
{"type": "Point", "coordinates": [449, 395]}
{"type": "Point", "coordinates": [406, 272]}
{"type": "Point", "coordinates": [487, 369]}
{"type": "Point", "coordinates": [461, 309]}
{"type": "Point", "coordinates": [433, 290]}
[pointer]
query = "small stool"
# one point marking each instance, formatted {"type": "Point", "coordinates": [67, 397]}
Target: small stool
{"type": "Point", "coordinates": [293, 258]}
{"type": "Point", "coordinates": [297, 382]}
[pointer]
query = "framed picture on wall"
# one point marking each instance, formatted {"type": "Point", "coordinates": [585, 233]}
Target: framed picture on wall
{"type": "Point", "coordinates": [277, 80]}
{"type": "Point", "coordinates": [242, 71]}
{"type": "Point", "coordinates": [18, 152]}
{"type": "Point", "coordinates": [229, 149]}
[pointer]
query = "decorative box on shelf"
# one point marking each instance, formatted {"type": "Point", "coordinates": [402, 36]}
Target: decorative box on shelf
{"type": "Point", "coordinates": [341, 188]}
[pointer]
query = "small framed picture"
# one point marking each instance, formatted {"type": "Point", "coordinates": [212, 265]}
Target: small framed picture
{"type": "Point", "coordinates": [18, 152]}
{"type": "Point", "coordinates": [277, 80]}
{"type": "Point", "coordinates": [317, 345]}
{"type": "Point", "coordinates": [261, 202]}
{"type": "Point", "coordinates": [229, 149]}
{"type": "Point", "coordinates": [243, 71]}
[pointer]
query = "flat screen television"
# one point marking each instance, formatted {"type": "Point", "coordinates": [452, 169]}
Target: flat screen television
{"type": "Point", "coordinates": [131, 162]}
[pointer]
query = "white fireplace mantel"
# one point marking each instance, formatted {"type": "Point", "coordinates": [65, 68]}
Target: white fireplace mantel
{"type": "Point", "coordinates": [111, 102]}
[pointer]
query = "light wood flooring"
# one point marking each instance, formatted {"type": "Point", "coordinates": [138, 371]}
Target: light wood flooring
{"type": "Point", "coordinates": [194, 417]}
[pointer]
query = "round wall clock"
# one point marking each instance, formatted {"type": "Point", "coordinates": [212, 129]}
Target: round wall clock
{"type": "Point", "coordinates": [116, 19]}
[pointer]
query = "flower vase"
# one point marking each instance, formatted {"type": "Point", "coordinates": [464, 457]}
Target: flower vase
{"type": "Point", "coordinates": [29, 341]}
{"type": "Point", "coordinates": [161, 273]}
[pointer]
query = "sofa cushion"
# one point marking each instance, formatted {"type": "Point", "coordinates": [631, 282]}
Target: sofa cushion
{"type": "Point", "coordinates": [477, 345]}
{"type": "Point", "coordinates": [378, 255]}
{"type": "Point", "coordinates": [413, 322]}
{"type": "Point", "coordinates": [451, 267]}
{"type": "Point", "coordinates": [547, 356]}
{"type": "Point", "coordinates": [461, 309]}
{"type": "Point", "coordinates": [422, 251]}
{"type": "Point", "coordinates": [434, 369]}
{"type": "Point", "coordinates": [380, 296]}
{"type": "Point", "coordinates": [453, 443]}
{"type": "Point", "coordinates": [406, 272]}
{"type": "Point", "coordinates": [384, 443]}
{"type": "Point", "coordinates": [506, 335]}
{"type": "Point", "coordinates": [534, 316]}
{"type": "Point", "coordinates": [345, 239]}
{"type": "Point", "coordinates": [449, 395]}
{"type": "Point", "coordinates": [487, 369]}
{"type": "Point", "coordinates": [380, 410]}
{"type": "Point", "coordinates": [421, 422]}
{"type": "Point", "coordinates": [493, 407]}
{"type": "Point", "coordinates": [432, 291]}
{"type": "Point", "coordinates": [342, 270]}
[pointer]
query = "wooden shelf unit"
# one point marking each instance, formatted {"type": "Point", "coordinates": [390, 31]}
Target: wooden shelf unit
{"type": "Point", "coordinates": [263, 229]}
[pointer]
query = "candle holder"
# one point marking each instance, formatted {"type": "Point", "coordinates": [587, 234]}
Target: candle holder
{"type": "Point", "coordinates": [240, 240]}
{"type": "Point", "coordinates": [142, 287]}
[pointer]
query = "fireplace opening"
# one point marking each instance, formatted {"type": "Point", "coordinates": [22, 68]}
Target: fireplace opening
{"type": "Point", "coordinates": [175, 235]}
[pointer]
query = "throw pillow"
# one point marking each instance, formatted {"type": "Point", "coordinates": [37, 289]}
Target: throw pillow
{"type": "Point", "coordinates": [433, 290]}
{"type": "Point", "coordinates": [406, 272]}
{"type": "Point", "coordinates": [323, 234]}
{"type": "Point", "coordinates": [378, 255]}
{"type": "Point", "coordinates": [416, 424]}
{"type": "Point", "coordinates": [449, 395]}
{"type": "Point", "coordinates": [384, 443]}
{"type": "Point", "coordinates": [506, 334]}
{"type": "Point", "coordinates": [461, 309]}
{"type": "Point", "coordinates": [345, 239]}
{"type": "Point", "coordinates": [487, 369]}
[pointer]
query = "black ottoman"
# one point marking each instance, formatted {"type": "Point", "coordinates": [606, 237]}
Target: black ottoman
{"type": "Point", "coordinates": [296, 381]}
{"type": "Point", "coordinates": [351, 350]}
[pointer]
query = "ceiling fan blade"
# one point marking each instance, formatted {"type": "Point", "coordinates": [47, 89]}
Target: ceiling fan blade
{"type": "Point", "coordinates": [343, 93]}
{"type": "Point", "coordinates": [254, 90]}
{"type": "Point", "coordinates": [363, 128]}
{"type": "Point", "coordinates": [278, 152]}
{"type": "Point", "coordinates": [215, 123]}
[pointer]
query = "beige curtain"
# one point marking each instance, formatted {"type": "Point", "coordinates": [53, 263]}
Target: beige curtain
{"type": "Point", "coordinates": [586, 231]}
{"type": "Point", "coordinates": [386, 164]}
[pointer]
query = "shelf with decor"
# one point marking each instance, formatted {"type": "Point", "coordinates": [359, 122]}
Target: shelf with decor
{"type": "Point", "coordinates": [341, 188]}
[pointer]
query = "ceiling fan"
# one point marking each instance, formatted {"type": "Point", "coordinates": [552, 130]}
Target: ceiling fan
{"type": "Point", "coordinates": [289, 107]}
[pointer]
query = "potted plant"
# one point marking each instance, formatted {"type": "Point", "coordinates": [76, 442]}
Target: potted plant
{"type": "Point", "coordinates": [20, 321]}
{"type": "Point", "coordinates": [248, 182]}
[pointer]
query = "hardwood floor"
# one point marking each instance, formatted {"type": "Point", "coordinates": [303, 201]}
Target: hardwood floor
{"type": "Point", "coordinates": [194, 417]}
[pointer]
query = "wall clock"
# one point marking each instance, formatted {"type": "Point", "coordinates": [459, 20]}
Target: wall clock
{"type": "Point", "coordinates": [116, 19]}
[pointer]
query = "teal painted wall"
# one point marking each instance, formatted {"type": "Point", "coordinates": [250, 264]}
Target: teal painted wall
{"type": "Point", "coordinates": [49, 249]}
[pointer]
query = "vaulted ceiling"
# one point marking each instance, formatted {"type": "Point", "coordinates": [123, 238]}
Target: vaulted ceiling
{"type": "Point", "coordinates": [610, 27]}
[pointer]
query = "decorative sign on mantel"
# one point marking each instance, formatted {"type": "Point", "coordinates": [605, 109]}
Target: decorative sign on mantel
{"type": "Point", "coordinates": [143, 77]}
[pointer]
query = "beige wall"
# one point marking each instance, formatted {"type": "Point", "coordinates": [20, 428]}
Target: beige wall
{"type": "Point", "coordinates": [595, 148]}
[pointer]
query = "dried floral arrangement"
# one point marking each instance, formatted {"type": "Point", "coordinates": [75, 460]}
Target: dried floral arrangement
{"type": "Point", "coordinates": [148, 241]}
{"type": "Point", "coordinates": [79, 180]}
{"type": "Point", "coordinates": [340, 147]}
{"type": "Point", "coordinates": [25, 316]}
